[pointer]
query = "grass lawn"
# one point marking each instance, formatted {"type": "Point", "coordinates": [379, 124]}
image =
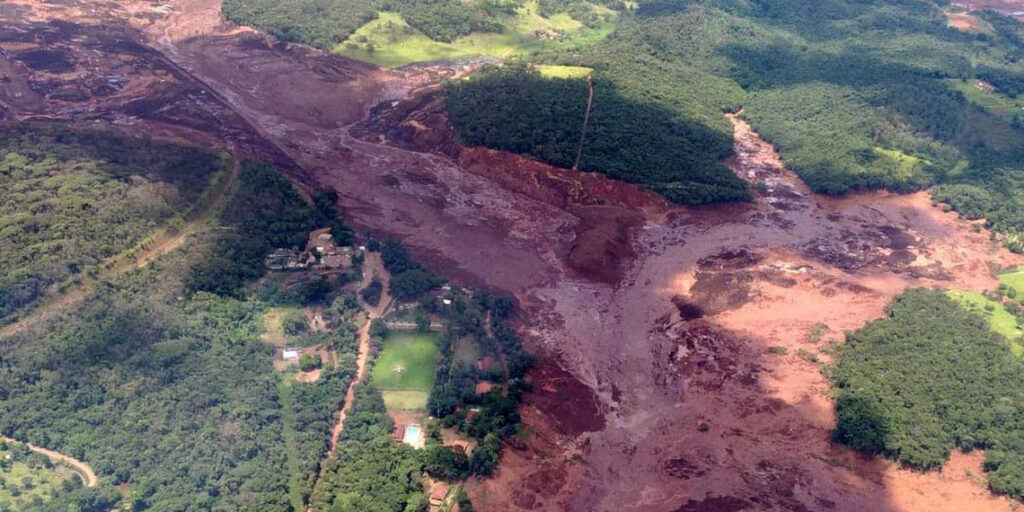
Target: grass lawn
{"type": "Point", "coordinates": [390, 41]}
{"type": "Point", "coordinates": [273, 325]}
{"type": "Point", "coordinates": [1014, 279]}
{"type": "Point", "coordinates": [1000, 319]}
{"type": "Point", "coordinates": [553, 71]}
{"type": "Point", "coordinates": [993, 101]}
{"type": "Point", "coordinates": [29, 482]}
{"type": "Point", "coordinates": [405, 399]}
{"type": "Point", "coordinates": [406, 364]}
{"type": "Point", "coordinates": [904, 163]}
{"type": "Point", "coordinates": [466, 350]}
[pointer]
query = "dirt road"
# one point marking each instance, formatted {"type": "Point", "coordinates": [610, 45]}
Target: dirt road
{"type": "Point", "coordinates": [586, 121]}
{"type": "Point", "coordinates": [372, 267]}
{"type": "Point", "coordinates": [89, 478]}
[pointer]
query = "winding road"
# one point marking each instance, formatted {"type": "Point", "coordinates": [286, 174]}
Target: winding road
{"type": "Point", "coordinates": [89, 478]}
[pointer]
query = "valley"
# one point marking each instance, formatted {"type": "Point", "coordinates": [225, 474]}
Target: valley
{"type": "Point", "coordinates": [680, 348]}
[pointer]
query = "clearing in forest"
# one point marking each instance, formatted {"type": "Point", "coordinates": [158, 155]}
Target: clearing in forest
{"type": "Point", "coordinates": [1014, 279]}
{"type": "Point", "coordinates": [404, 370]}
{"type": "Point", "coordinates": [1001, 320]}
{"type": "Point", "coordinates": [570, 72]}
{"type": "Point", "coordinates": [390, 41]}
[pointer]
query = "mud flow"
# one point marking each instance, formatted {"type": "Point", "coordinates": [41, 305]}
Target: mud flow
{"type": "Point", "coordinates": [661, 384]}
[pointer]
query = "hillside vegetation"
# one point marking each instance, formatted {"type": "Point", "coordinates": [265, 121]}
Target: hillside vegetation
{"type": "Point", "coordinates": [162, 383]}
{"type": "Point", "coordinates": [399, 32]}
{"type": "Point", "coordinates": [74, 198]}
{"type": "Point", "coordinates": [855, 95]}
{"type": "Point", "coordinates": [517, 109]}
{"type": "Point", "coordinates": [930, 378]}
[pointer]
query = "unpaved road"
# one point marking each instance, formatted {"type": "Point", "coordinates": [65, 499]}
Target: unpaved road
{"type": "Point", "coordinates": [655, 390]}
{"type": "Point", "coordinates": [586, 121]}
{"type": "Point", "coordinates": [89, 478]}
{"type": "Point", "coordinates": [372, 267]}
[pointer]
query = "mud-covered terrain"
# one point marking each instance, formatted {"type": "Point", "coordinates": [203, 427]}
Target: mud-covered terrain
{"type": "Point", "coordinates": [656, 389]}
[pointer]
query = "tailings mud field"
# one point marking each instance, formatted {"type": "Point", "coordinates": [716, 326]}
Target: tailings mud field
{"type": "Point", "coordinates": [656, 389]}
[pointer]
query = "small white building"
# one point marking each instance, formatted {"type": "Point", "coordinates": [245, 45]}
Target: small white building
{"type": "Point", "coordinates": [290, 354]}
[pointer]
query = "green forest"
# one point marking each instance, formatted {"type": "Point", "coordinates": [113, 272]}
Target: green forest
{"type": "Point", "coordinates": [164, 387]}
{"type": "Point", "coordinates": [516, 109]}
{"type": "Point", "coordinates": [929, 378]}
{"type": "Point", "coordinates": [855, 95]}
{"type": "Point", "coordinates": [74, 198]}
{"type": "Point", "coordinates": [326, 23]}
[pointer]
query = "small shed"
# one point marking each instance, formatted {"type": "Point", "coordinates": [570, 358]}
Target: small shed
{"type": "Point", "coordinates": [290, 354]}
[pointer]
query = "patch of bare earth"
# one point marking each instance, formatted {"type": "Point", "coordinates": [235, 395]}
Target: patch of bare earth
{"type": "Point", "coordinates": [655, 389]}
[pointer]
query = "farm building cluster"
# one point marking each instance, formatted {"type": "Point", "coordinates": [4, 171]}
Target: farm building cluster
{"type": "Point", "coordinates": [321, 254]}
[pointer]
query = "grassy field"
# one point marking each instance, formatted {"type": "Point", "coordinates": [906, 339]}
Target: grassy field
{"type": "Point", "coordinates": [273, 325]}
{"type": "Point", "coordinates": [389, 41]}
{"type": "Point", "coordinates": [553, 71]}
{"type": "Point", "coordinates": [466, 350]}
{"type": "Point", "coordinates": [405, 399]}
{"type": "Point", "coordinates": [404, 370]}
{"type": "Point", "coordinates": [993, 101]}
{"type": "Point", "coordinates": [1001, 320]}
{"type": "Point", "coordinates": [1015, 280]}
{"type": "Point", "coordinates": [904, 163]}
{"type": "Point", "coordinates": [23, 487]}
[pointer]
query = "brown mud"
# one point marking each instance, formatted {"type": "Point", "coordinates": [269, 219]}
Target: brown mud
{"type": "Point", "coordinates": [655, 388]}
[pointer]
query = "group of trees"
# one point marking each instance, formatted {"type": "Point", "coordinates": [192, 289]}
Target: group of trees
{"type": "Point", "coordinates": [74, 198]}
{"type": "Point", "coordinates": [495, 415]}
{"type": "Point", "coordinates": [157, 378]}
{"type": "Point", "coordinates": [327, 23]}
{"type": "Point", "coordinates": [370, 471]}
{"type": "Point", "coordinates": [929, 378]}
{"type": "Point", "coordinates": [263, 213]}
{"type": "Point", "coordinates": [516, 109]}
{"type": "Point", "coordinates": [409, 279]}
{"type": "Point", "coordinates": [855, 95]}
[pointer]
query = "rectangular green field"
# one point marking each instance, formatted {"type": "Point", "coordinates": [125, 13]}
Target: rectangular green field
{"type": "Point", "coordinates": [999, 318]}
{"type": "Point", "coordinates": [405, 399]}
{"type": "Point", "coordinates": [406, 362]}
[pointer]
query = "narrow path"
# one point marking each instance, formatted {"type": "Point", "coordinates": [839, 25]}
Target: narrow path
{"type": "Point", "coordinates": [83, 470]}
{"type": "Point", "coordinates": [372, 266]}
{"type": "Point", "coordinates": [489, 330]}
{"type": "Point", "coordinates": [135, 258]}
{"type": "Point", "coordinates": [586, 119]}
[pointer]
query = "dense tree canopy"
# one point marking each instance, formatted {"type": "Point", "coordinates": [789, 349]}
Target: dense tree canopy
{"type": "Point", "coordinates": [74, 198]}
{"type": "Point", "coordinates": [927, 379]}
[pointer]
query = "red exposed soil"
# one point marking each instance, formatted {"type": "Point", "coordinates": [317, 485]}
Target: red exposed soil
{"type": "Point", "coordinates": [665, 396]}
{"type": "Point", "coordinates": [1013, 8]}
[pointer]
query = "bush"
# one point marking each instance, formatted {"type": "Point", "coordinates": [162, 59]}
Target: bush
{"type": "Point", "coordinates": [373, 291]}
{"type": "Point", "coordinates": [310, 362]}
{"type": "Point", "coordinates": [295, 324]}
